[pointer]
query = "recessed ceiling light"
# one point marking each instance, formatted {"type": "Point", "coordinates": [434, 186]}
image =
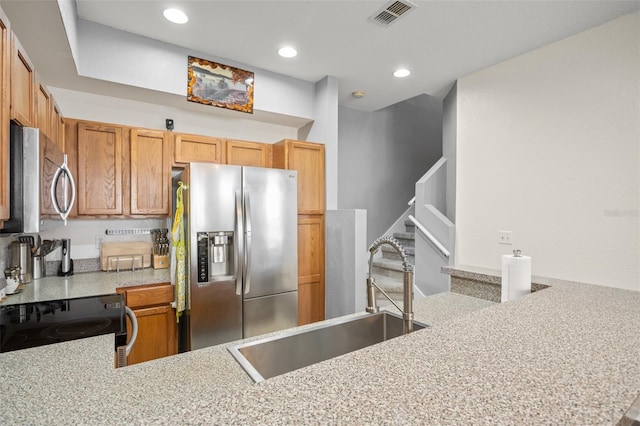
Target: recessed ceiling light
{"type": "Point", "coordinates": [176, 16]}
{"type": "Point", "coordinates": [402, 72]}
{"type": "Point", "coordinates": [287, 52]}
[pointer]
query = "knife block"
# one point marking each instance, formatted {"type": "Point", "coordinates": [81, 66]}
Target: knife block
{"type": "Point", "coordinates": [160, 261]}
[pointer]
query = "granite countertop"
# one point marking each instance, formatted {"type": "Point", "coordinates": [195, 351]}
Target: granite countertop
{"type": "Point", "coordinates": [493, 276]}
{"type": "Point", "coordinates": [84, 284]}
{"type": "Point", "coordinates": [566, 355]}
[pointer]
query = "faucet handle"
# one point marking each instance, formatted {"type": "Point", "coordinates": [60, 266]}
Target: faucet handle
{"type": "Point", "coordinates": [372, 306]}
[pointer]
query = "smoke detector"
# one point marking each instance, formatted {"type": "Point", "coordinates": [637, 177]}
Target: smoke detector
{"type": "Point", "coordinates": [392, 11]}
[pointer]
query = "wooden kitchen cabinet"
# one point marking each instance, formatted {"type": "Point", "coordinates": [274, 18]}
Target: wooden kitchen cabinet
{"type": "Point", "coordinates": [243, 153]}
{"type": "Point", "coordinates": [157, 326]}
{"type": "Point", "coordinates": [121, 171]}
{"type": "Point", "coordinates": [69, 134]}
{"type": "Point", "coordinates": [150, 172]}
{"type": "Point", "coordinates": [100, 158]}
{"type": "Point", "coordinates": [23, 86]}
{"type": "Point", "coordinates": [188, 148]}
{"type": "Point", "coordinates": [5, 98]}
{"type": "Point", "coordinates": [311, 260]}
{"type": "Point", "coordinates": [56, 126]}
{"type": "Point", "coordinates": [307, 158]}
{"type": "Point", "coordinates": [43, 107]}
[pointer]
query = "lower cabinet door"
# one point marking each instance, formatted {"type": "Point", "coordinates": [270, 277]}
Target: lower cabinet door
{"type": "Point", "coordinates": [311, 306]}
{"type": "Point", "coordinates": [157, 332]}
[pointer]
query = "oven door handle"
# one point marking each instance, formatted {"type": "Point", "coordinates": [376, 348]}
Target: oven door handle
{"type": "Point", "coordinates": [134, 329]}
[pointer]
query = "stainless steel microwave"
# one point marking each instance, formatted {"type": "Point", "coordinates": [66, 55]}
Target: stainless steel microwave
{"type": "Point", "coordinates": [41, 183]}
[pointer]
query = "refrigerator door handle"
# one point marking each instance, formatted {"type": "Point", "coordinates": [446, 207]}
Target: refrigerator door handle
{"type": "Point", "coordinates": [247, 271]}
{"type": "Point", "coordinates": [239, 263]}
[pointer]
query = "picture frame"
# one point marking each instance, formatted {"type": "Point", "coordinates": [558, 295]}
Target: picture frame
{"type": "Point", "coordinates": [223, 86]}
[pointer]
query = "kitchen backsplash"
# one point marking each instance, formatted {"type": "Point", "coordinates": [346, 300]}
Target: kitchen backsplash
{"type": "Point", "coordinates": [83, 234]}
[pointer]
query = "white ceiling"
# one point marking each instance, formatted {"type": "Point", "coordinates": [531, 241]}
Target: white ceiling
{"type": "Point", "coordinates": [439, 41]}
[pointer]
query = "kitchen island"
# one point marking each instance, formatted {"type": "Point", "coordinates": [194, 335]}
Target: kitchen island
{"type": "Point", "coordinates": [569, 354]}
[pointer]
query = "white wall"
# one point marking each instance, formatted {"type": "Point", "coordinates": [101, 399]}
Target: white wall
{"type": "Point", "coordinates": [107, 109]}
{"type": "Point", "coordinates": [120, 57]}
{"type": "Point", "coordinates": [549, 148]}
{"type": "Point", "coordinates": [83, 234]}
{"type": "Point", "coordinates": [449, 129]}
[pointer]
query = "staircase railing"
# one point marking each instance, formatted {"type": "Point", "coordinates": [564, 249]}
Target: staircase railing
{"type": "Point", "coordinates": [429, 236]}
{"type": "Point", "coordinates": [434, 244]}
{"type": "Point", "coordinates": [437, 233]}
{"type": "Point", "coordinates": [399, 226]}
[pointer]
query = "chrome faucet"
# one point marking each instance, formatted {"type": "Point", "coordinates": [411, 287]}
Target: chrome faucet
{"type": "Point", "coordinates": [372, 306]}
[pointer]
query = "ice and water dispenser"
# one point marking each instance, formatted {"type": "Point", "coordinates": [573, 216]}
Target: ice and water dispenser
{"type": "Point", "coordinates": [216, 256]}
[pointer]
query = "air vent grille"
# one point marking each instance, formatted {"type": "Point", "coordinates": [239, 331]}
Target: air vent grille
{"type": "Point", "coordinates": [392, 11]}
{"type": "Point", "coordinates": [385, 17]}
{"type": "Point", "coordinates": [398, 8]}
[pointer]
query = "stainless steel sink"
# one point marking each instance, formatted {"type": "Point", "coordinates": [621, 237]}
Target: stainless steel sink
{"type": "Point", "coordinates": [272, 356]}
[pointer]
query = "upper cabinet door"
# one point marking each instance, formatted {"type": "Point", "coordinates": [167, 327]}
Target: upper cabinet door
{"type": "Point", "coordinates": [308, 159]}
{"type": "Point", "coordinates": [243, 153]}
{"type": "Point", "coordinates": [56, 126]}
{"type": "Point", "coordinates": [197, 148]}
{"type": "Point", "coordinates": [100, 159]}
{"type": "Point", "coordinates": [23, 82]}
{"type": "Point", "coordinates": [150, 172]}
{"type": "Point", "coordinates": [5, 60]}
{"type": "Point", "coordinates": [43, 108]}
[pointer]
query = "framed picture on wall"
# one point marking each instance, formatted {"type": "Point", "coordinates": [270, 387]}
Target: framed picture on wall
{"type": "Point", "coordinates": [223, 86]}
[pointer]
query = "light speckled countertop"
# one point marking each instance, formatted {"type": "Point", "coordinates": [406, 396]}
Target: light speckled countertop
{"type": "Point", "coordinates": [569, 354]}
{"type": "Point", "coordinates": [84, 284]}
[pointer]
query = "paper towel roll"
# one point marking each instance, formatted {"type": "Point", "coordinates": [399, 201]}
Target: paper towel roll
{"type": "Point", "coordinates": [516, 277]}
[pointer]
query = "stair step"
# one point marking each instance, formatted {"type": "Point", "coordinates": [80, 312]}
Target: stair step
{"type": "Point", "coordinates": [390, 253]}
{"type": "Point", "coordinates": [385, 272]}
{"type": "Point", "coordinates": [404, 235]}
{"type": "Point", "coordinates": [388, 268]}
{"type": "Point", "coordinates": [393, 287]}
{"type": "Point", "coordinates": [409, 251]}
{"type": "Point", "coordinates": [390, 285]}
{"type": "Point", "coordinates": [409, 226]}
{"type": "Point", "coordinates": [406, 239]}
{"type": "Point", "coordinates": [386, 263]}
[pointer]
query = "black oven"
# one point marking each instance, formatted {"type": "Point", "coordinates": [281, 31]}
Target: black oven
{"type": "Point", "coordinates": [42, 323]}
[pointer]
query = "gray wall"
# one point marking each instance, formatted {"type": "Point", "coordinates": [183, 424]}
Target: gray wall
{"type": "Point", "coordinates": [383, 153]}
{"type": "Point", "coordinates": [449, 136]}
{"type": "Point", "coordinates": [346, 261]}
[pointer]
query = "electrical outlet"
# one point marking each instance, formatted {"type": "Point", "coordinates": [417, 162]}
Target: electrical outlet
{"type": "Point", "coordinates": [99, 241]}
{"type": "Point", "coordinates": [504, 237]}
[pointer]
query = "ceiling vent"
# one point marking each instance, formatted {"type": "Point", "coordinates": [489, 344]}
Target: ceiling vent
{"type": "Point", "coordinates": [392, 11]}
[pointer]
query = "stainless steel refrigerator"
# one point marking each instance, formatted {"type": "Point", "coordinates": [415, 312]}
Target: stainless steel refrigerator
{"type": "Point", "coordinates": [241, 228]}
